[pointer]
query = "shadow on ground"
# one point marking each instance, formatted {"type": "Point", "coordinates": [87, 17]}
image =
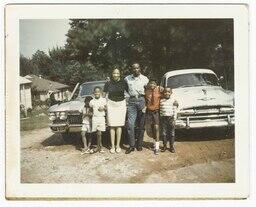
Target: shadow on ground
{"type": "Point", "coordinates": [58, 140]}
{"type": "Point", "coordinates": [76, 140]}
{"type": "Point", "coordinates": [181, 136]}
{"type": "Point", "coordinates": [204, 134]}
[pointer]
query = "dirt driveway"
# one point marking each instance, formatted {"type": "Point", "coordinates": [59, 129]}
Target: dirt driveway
{"type": "Point", "coordinates": [200, 157]}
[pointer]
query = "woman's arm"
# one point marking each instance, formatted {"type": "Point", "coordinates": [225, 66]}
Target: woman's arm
{"type": "Point", "coordinates": [125, 86]}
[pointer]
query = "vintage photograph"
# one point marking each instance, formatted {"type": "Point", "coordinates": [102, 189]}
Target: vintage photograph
{"type": "Point", "coordinates": [133, 101]}
{"type": "Point", "coordinates": [127, 100]}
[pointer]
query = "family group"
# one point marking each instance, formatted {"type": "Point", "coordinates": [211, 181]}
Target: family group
{"type": "Point", "coordinates": [133, 101]}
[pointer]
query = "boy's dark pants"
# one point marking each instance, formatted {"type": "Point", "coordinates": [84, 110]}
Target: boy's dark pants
{"type": "Point", "coordinates": [168, 129]}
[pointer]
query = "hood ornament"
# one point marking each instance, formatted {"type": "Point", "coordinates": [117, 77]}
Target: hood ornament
{"type": "Point", "coordinates": [204, 91]}
{"type": "Point", "coordinates": [206, 98]}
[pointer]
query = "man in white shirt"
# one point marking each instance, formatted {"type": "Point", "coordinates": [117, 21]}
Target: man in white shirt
{"type": "Point", "coordinates": [136, 106]}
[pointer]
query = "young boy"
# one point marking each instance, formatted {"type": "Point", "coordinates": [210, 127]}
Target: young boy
{"type": "Point", "coordinates": [86, 126]}
{"type": "Point", "coordinates": [168, 115]}
{"type": "Point", "coordinates": [98, 105]}
{"type": "Point", "coordinates": [152, 97]}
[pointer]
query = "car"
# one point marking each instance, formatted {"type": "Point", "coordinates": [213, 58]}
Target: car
{"type": "Point", "coordinates": [203, 103]}
{"type": "Point", "coordinates": [66, 117]}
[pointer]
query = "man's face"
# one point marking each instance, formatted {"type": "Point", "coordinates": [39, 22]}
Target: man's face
{"type": "Point", "coordinates": [152, 85]}
{"type": "Point", "coordinates": [97, 93]}
{"type": "Point", "coordinates": [136, 69]}
{"type": "Point", "coordinates": [167, 93]}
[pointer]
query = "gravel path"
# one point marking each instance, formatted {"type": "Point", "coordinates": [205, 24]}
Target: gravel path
{"type": "Point", "coordinates": [46, 158]}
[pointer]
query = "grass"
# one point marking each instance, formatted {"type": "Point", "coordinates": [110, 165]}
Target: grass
{"type": "Point", "coordinates": [35, 121]}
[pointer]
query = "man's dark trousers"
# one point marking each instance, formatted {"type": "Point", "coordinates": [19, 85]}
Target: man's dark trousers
{"type": "Point", "coordinates": [134, 112]}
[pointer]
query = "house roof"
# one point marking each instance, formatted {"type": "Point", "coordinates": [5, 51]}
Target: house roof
{"type": "Point", "coordinates": [24, 80]}
{"type": "Point", "coordinates": [42, 84]}
{"type": "Point", "coordinates": [27, 76]}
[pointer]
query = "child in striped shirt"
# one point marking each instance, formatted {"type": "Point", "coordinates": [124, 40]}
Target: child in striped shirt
{"type": "Point", "coordinates": [168, 115]}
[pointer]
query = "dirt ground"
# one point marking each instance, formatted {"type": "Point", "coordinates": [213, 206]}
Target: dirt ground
{"type": "Point", "coordinates": [201, 157]}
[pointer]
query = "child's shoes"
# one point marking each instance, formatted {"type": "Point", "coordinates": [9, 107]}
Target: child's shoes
{"type": "Point", "coordinates": [156, 151]}
{"type": "Point", "coordinates": [86, 151]}
{"type": "Point", "coordinates": [118, 150]}
{"type": "Point", "coordinates": [172, 150]}
{"type": "Point", "coordinates": [164, 148]}
{"type": "Point", "coordinates": [112, 150]}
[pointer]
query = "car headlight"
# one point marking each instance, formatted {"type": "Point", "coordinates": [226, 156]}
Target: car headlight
{"type": "Point", "coordinates": [63, 115]}
{"type": "Point", "coordinates": [226, 110]}
{"type": "Point", "coordinates": [52, 116]}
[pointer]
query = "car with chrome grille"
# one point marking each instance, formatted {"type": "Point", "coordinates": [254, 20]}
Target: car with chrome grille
{"type": "Point", "coordinates": [66, 117]}
{"type": "Point", "coordinates": [203, 103]}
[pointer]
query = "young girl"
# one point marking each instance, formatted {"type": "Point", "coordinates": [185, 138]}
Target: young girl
{"type": "Point", "coordinates": [98, 105]}
{"type": "Point", "coordinates": [86, 126]}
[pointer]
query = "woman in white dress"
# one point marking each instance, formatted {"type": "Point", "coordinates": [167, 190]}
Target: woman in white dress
{"type": "Point", "coordinates": [116, 108]}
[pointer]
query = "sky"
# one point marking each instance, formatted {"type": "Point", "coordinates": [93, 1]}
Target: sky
{"type": "Point", "coordinates": [42, 34]}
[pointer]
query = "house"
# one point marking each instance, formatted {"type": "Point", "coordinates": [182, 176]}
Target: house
{"type": "Point", "coordinates": [25, 93]}
{"type": "Point", "coordinates": [42, 88]}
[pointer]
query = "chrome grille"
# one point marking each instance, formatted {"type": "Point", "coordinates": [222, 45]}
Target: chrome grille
{"type": "Point", "coordinates": [58, 121]}
{"type": "Point", "coordinates": [204, 117]}
{"type": "Point", "coordinates": [207, 112]}
{"type": "Point", "coordinates": [75, 119]}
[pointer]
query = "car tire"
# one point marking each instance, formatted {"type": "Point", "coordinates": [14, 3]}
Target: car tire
{"type": "Point", "coordinates": [230, 132]}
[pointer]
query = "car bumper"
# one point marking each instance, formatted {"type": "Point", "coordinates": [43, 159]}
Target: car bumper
{"type": "Point", "coordinates": [61, 128]}
{"type": "Point", "coordinates": [204, 123]}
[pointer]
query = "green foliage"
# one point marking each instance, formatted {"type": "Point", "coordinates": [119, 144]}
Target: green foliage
{"type": "Point", "coordinates": [43, 62]}
{"type": "Point", "coordinates": [34, 122]}
{"type": "Point", "coordinates": [95, 47]}
{"type": "Point", "coordinates": [27, 66]}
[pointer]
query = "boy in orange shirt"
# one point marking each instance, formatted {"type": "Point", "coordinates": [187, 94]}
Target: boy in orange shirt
{"type": "Point", "coordinates": [152, 97]}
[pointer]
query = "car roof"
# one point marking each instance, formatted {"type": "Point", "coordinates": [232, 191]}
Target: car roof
{"type": "Point", "coordinates": [187, 71]}
{"type": "Point", "coordinates": [102, 81]}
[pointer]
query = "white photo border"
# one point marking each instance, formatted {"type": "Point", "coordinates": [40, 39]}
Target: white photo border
{"type": "Point", "coordinates": [17, 190]}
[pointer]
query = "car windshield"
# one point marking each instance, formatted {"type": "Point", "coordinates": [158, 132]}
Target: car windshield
{"type": "Point", "coordinates": [87, 88]}
{"type": "Point", "coordinates": [192, 79]}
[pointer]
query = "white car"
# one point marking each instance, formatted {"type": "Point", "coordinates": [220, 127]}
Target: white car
{"type": "Point", "coordinates": [202, 101]}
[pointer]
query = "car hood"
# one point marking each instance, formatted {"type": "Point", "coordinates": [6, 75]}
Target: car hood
{"type": "Point", "coordinates": [74, 105]}
{"type": "Point", "coordinates": [201, 96]}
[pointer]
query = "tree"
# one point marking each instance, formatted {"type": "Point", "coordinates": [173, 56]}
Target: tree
{"type": "Point", "coordinates": [101, 43]}
{"type": "Point", "coordinates": [158, 45]}
{"type": "Point", "coordinates": [43, 62]}
{"type": "Point", "coordinates": [27, 66]}
{"type": "Point", "coordinates": [95, 47]}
